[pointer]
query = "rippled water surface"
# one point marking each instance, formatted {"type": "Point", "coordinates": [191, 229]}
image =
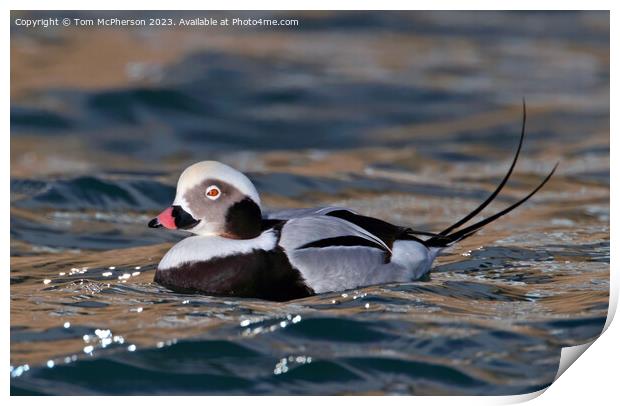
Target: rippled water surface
{"type": "Point", "coordinates": [411, 117]}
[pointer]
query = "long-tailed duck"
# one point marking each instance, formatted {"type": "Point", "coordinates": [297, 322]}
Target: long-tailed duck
{"type": "Point", "coordinates": [240, 250]}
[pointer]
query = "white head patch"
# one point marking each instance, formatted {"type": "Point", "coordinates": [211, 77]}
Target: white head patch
{"type": "Point", "coordinates": [200, 171]}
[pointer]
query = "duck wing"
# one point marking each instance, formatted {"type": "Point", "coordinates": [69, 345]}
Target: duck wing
{"type": "Point", "coordinates": [324, 231]}
{"type": "Point", "coordinates": [334, 254]}
{"type": "Point", "coordinates": [287, 214]}
{"type": "Point", "coordinates": [385, 231]}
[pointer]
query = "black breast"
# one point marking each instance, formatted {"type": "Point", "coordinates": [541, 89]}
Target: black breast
{"type": "Point", "coordinates": [260, 274]}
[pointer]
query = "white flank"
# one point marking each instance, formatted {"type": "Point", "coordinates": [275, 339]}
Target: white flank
{"type": "Point", "coordinates": [414, 256]}
{"type": "Point", "coordinates": [203, 248]}
{"type": "Point", "coordinates": [329, 269]}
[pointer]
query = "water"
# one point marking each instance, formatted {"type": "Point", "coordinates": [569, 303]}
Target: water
{"type": "Point", "coordinates": [411, 117]}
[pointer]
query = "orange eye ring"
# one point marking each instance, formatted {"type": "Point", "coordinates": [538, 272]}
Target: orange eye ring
{"type": "Point", "coordinates": [213, 192]}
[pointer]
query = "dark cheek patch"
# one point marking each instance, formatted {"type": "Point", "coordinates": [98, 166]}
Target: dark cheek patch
{"type": "Point", "coordinates": [243, 219]}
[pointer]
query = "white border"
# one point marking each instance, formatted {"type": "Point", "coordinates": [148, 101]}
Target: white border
{"type": "Point", "coordinates": [595, 375]}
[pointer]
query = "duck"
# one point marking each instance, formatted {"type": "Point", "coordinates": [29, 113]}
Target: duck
{"type": "Point", "coordinates": [239, 249]}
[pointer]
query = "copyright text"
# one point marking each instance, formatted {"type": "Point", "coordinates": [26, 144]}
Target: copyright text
{"type": "Point", "coordinates": [154, 22]}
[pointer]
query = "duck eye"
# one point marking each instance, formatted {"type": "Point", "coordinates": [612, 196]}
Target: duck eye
{"type": "Point", "coordinates": [213, 192]}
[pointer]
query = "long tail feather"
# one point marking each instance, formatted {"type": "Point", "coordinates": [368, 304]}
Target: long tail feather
{"type": "Point", "coordinates": [499, 187]}
{"type": "Point", "coordinates": [444, 241]}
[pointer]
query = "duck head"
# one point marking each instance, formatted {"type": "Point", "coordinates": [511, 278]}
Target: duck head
{"type": "Point", "coordinates": [213, 199]}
